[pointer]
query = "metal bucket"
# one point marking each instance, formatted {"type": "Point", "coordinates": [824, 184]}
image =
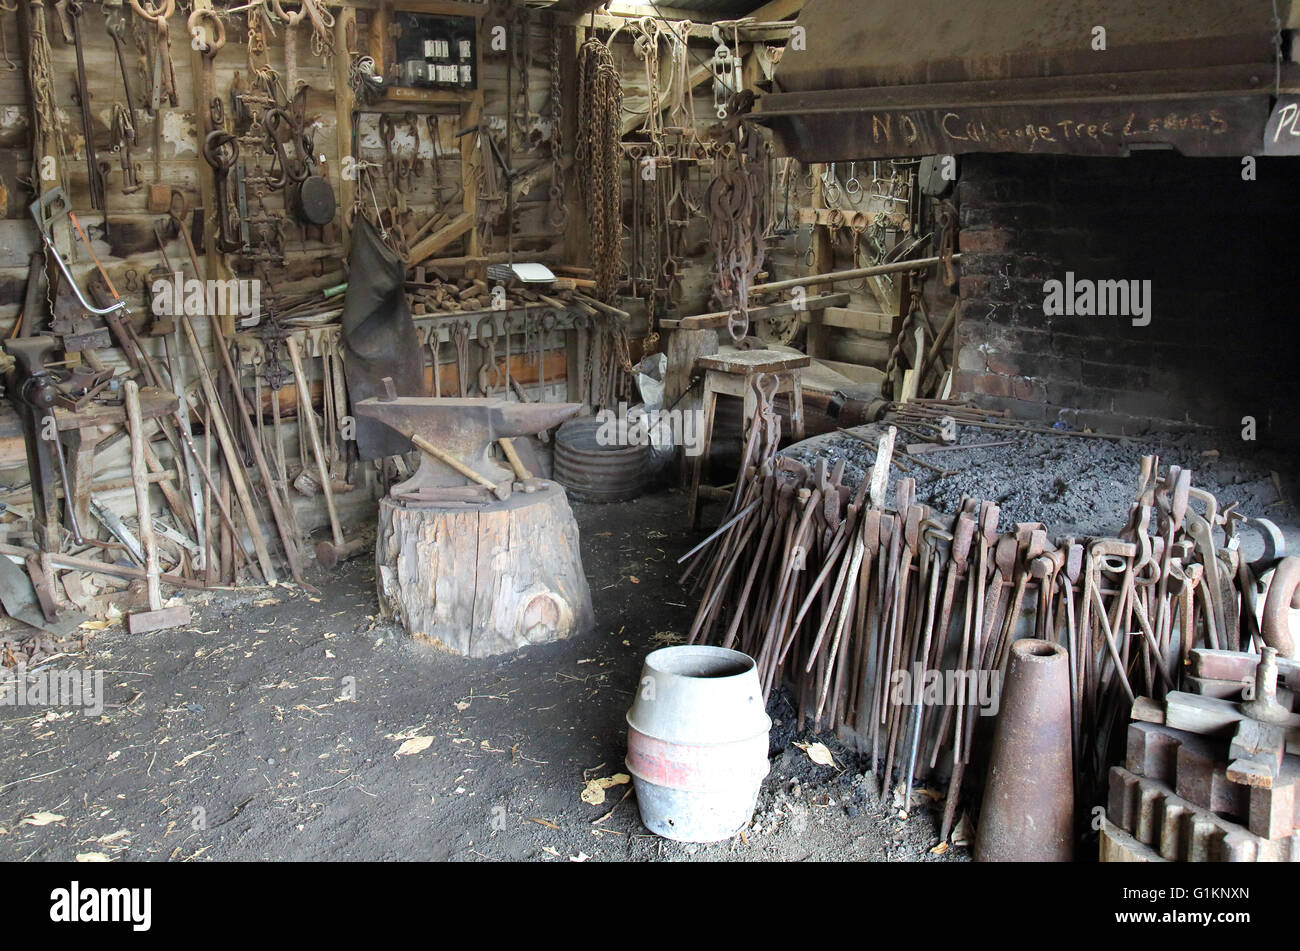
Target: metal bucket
{"type": "Point", "coordinates": [697, 742]}
{"type": "Point", "coordinates": [595, 473]}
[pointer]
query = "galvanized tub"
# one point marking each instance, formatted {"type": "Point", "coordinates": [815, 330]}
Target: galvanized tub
{"type": "Point", "coordinates": [697, 742]}
{"type": "Point", "coordinates": [595, 473]}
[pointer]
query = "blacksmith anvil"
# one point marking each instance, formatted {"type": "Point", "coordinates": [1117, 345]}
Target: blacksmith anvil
{"type": "Point", "coordinates": [465, 430]}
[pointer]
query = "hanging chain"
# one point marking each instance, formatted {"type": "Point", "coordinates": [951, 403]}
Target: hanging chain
{"type": "Point", "coordinates": [598, 156]}
{"type": "Point", "coordinates": [558, 212]}
{"type": "Point", "coordinates": [737, 216]}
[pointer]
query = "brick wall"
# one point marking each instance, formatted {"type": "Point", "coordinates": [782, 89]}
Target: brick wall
{"type": "Point", "coordinates": [1223, 259]}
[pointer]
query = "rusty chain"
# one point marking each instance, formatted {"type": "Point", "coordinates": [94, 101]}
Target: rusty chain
{"type": "Point", "coordinates": [600, 109]}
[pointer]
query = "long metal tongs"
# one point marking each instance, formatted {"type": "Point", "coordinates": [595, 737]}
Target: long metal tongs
{"type": "Point", "coordinates": [46, 212]}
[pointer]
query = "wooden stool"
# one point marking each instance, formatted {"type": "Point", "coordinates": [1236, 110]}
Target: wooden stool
{"type": "Point", "coordinates": [732, 374]}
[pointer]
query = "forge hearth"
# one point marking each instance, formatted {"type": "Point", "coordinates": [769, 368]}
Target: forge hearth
{"type": "Point", "coordinates": [1205, 245]}
{"type": "Point", "coordinates": [1074, 486]}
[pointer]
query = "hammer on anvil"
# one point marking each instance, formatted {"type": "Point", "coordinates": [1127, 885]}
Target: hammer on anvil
{"type": "Point", "coordinates": [461, 431]}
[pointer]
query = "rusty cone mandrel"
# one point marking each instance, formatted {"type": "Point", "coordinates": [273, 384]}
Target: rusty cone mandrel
{"type": "Point", "coordinates": [1028, 810]}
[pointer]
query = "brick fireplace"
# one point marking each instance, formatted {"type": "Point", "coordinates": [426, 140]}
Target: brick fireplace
{"type": "Point", "coordinates": [1221, 255]}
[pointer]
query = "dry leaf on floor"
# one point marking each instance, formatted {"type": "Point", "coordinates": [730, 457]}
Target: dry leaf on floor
{"type": "Point", "coordinates": [416, 744]}
{"type": "Point", "coordinates": [961, 835]}
{"type": "Point", "coordinates": [939, 849]}
{"type": "Point", "coordinates": [41, 819]}
{"type": "Point", "coordinates": [580, 857]}
{"type": "Point", "coordinates": [819, 754]}
{"type": "Point", "coordinates": [594, 792]}
{"type": "Point", "coordinates": [92, 857]}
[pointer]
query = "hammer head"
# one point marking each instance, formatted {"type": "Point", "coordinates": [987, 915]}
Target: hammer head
{"type": "Point", "coordinates": [465, 428]}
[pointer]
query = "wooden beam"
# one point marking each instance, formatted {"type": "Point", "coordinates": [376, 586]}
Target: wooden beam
{"type": "Point", "coordinates": [215, 265]}
{"type": "Point", "coordinates": [577, 233]}
{"type": "Point", "coordinates": [718, 320]}
{"type": "Point", "coordinates": [697, 77]}
{"type": "Point", "coordinates": [77, 563]}
{"type": "Point", "coordinates": [448, 8]}
{"type": "Point", "coordinates": [846, 319]}
{"type": "Point", "coordinates": [858, 373]}
{"type": "Point", "coordinates": [777, 10]}
{"type": "Point", "coordinates": [343, 108]}
{"type": "Point", "coordinates": [444, 236]}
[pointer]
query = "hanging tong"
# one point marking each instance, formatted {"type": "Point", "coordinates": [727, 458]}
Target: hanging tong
{"type": "Point", "coordinates": [46, 218]}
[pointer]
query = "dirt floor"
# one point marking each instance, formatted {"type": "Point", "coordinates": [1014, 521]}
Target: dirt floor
{"type": "Point", "coordinates": [287, 725]}
{"type": "Point", "coordinates": [234, 739]}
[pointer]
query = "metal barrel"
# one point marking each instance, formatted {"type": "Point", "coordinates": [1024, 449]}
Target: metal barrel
{"type": "Point", "coordinates": [697, 742]}
{"type": "Point", "coordinates": [593, 471]}
{"type": "Point", "coordinates": [1027, 814]}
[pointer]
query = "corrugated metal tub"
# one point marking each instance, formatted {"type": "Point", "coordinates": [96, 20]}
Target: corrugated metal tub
{"type": "Point", "coordinates": [593, 472]}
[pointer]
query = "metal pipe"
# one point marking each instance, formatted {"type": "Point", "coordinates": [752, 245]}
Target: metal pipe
{"type": "Point", "coordinates": [831, 277]}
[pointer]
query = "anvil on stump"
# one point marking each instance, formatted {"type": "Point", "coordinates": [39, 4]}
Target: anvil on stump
{"type": "Point", "coordinates": [457, 565]}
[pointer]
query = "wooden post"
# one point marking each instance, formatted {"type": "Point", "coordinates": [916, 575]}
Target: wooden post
{"type": "Point", "coordinates": [344, 21]}
{"type": "Point", "coordinates": [215, 266]}
{"type": "Point", "coordinates": [577, 233]}
{"type": "Point", "coordinates": [140, 473]}
{"type": "Point", "coordinates": [309, 415]}
{"type": "Point", "coordinates": [470, 157]}
{"type": "Point", "coordinates": [823, 262]}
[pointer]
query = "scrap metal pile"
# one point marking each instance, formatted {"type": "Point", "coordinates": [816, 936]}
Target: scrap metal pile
{"type": "Point", "coordinates": [1212, 776]}
{"type": "Point", "coordinates": [842, 598]}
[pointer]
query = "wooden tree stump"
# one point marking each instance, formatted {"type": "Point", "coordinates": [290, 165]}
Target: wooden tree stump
{"type": "Point", "coordinates": [483, 579]}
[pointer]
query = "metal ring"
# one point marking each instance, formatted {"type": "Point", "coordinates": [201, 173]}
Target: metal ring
{"type": "Point", "coordinates": [197, 16]}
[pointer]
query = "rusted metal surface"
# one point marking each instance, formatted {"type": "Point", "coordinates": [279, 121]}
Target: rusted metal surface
{"type": "Point", "coordinates": [904, 78]}
{"type": "Point", "coordinates": [1174, 797]}
{"type": "Point", "coordinates": [1204, 126]}
{"type": "Point", "coordinates": [597, 473]}
{"type": "Point", "coordinates": [913, 42]}
{"type": "Point", "coordinates": [1028, 809]}
{"type": "Point", "coordinates": [697, 742]}
{"type": "Point", "coordinates": [1282, 133]}
{"type": "Point", "coordinates": [465, 430]}
{"type": "Point", "coordinates": [1283, 594]}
